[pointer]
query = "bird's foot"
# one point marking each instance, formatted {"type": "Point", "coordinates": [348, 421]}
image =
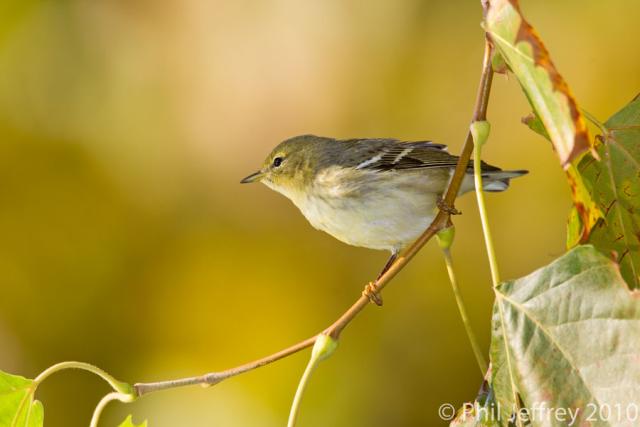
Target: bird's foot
{"type": "Point", "coordinates": [371, 292]}
{"type": "Point", "coordinates": [445, 207]}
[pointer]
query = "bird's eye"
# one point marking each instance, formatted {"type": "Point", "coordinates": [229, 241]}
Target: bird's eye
{"type": "Point", "coordinates": [277, 162]}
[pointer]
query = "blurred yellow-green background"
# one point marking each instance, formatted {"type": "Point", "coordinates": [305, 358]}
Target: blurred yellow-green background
{"type": "Point", "coordinates": [127, 242]}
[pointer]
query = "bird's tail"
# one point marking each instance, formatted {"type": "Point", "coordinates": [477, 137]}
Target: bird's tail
{"type": "Point", "coordinates": [498, 180]}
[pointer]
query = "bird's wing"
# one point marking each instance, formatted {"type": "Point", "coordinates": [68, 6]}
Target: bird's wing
{"type": "Point", "coordinates": [391, 154]}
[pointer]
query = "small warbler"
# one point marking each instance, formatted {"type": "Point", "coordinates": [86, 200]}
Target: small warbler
{"type": "Point", "coordinates": [375, 193]}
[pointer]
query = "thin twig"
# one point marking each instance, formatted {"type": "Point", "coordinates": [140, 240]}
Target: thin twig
{"type": "Point", "coordinates": [215, 377]}
{"type": "Point", "coordinates": [440, 221]}
{"type": "Point", "coordinates": [442, 218]}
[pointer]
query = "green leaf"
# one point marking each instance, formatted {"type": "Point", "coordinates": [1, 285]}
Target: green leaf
{"type": "Point", "coordinates": [17, 406]}
{"type": "Point", "coordinates": [556, 113]}
{"type": "Point", "coordinates": [526, 56]}
{"type": "Point", "coordinates": [465, 417]}
{"type": "Point", "coordinates": [498, 64]}
{"type": "Point", "coordinates": [614, 181]}
{"type": "Point", "coordinates": [470, 415]}
{"type": "Point", "coordinates": [128, 422]}
{"type": "Point", "coordinates": [568, 336]}
{"type": "Point", "coordinates": [585, 213]}
{"type": "Point", "coordinates": [535, 124]}
{"type": "Point", "coordinates": [483, 412]}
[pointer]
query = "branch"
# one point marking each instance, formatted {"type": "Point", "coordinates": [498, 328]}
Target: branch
{"type": "Point", "coordinates": [440, 222]}
{"type": "Point", "coordinates": [216, 377]}
{"type": "Point", "coordinates": [442, 219]}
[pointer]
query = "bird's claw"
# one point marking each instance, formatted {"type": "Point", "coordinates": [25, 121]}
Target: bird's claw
{"type": "Point", "coordinates": [445, 207]}
{"type": "Point", "coordinates": [370, 291]}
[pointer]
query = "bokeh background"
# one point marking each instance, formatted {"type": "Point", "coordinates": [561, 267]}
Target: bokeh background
{"type": "Point", "coordinates": [126, 240]}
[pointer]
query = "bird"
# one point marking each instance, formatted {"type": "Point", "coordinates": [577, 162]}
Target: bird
{"type": "Point", "coordinates": [377, 193]}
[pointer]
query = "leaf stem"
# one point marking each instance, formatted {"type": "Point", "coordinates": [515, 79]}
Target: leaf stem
{"type": "Point", "coordinates": [514, 388]}
{"type": "Point", "coordinates": [480, 131]}
{"type": "Point", "coordinates": [118, 386]}
{"type": "Point", "coordinates": [302, 385]}
{"type": "Point", "coordinates": [323, 348]}
{"type": "Point", "coordinates": [477, 352]}
{"type": "Point", "coordinates": [593, 119]}
{"type": "Point", "coordinates": [104, 401]}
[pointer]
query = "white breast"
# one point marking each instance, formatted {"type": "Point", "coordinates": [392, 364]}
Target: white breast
{"type": "Point", "coordinates": [370, 209]}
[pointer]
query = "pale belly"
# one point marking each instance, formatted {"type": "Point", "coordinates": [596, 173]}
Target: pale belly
{"type": "Point", "coordinates": [386, 223]}
{"type": "Point", "coordinates": [378, 211]}
{"type": "Point", "coordinates": [371, 209]}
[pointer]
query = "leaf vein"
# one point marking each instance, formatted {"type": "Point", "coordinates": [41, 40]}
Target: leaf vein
{"type": "Point", "coordinates": [553, 341]}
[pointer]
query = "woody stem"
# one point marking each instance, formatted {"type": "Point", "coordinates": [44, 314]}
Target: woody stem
{"type": "Point", "coordinates": [441, 221]}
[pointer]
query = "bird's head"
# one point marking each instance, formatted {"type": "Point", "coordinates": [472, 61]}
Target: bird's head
{"type": "Point", "coordinates": [291, 165]}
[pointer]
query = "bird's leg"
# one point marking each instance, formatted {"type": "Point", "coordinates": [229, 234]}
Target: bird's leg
{"type": "Point", "coordinates": [371, 293]}
{"type": "Point", "coordinates": [370, 290]}
{"type": "Point", "coordinates": [388, 265]}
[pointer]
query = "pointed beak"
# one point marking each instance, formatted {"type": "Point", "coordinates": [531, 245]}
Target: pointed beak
{"type": "Point", "coordinates": [257, 176]}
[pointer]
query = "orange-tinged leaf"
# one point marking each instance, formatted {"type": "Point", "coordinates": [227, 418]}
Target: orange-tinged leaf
{"type": "Point", "coordinates": [548, 93]}
{"type": "Point", "coordinates": [585, 213]}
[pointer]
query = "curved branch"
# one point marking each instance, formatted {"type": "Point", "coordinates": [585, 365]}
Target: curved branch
{"type": "Point", "coordinates": [441, 221]}
{"type": "Point", "coordinates": [213, 378]}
